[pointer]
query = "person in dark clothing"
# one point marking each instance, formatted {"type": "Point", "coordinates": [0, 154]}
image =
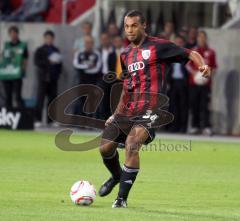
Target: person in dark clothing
{"type": "Point", "coordinates": [48, 61]}
{"type": "Point", "coordinates": [109, 59]}
{"type": "Point", "coordinates": [192, 37]}
{"type": "Point", "coordinates": [13, 68]}
{"type": "Point", "coordinates": [118, 48]}
{"type": "Point", "coordinates": [178, 93]}
{"type": "Point", "coordinates": [88, 65]}
{"type": "Point", "coordinates": [200, 88]}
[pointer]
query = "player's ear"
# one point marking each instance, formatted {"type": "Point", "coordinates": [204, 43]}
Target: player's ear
{"type": "Point", "coordinates": [144, 25]}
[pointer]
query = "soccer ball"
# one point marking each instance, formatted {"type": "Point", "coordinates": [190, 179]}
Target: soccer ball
{"type": "Point", "coordinates": [83, 193]}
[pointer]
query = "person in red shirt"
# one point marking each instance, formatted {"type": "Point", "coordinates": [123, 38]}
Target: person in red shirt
{"type": "Point", "coordinates": [200, 88]}
{"type": "Point", "coordinates": [146, 62]}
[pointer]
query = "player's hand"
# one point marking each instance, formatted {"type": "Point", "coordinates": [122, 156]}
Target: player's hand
{"type": "Point", "coordinates": [109, 120]}
{"type": "Point", "coordinates": [206, 71]}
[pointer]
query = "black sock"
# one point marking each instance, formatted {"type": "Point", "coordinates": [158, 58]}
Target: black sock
{"type": "Point", "coordinates": [113, 165]}
{"type": "Point", "coordinates": [128, 177]}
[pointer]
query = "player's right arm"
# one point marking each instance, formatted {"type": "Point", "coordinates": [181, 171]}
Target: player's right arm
{"type": "Point", "coordinates": [199, 62]}
{"type": "Point", "coordinates": [118, 109]}
{"type": "Point", "coordinates": [175, 54]}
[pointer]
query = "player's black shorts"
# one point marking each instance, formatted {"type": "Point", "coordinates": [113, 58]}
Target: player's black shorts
{"type": "Point", "coordinates": [121, 126]}
{"type": "Point", "coordinates": [118, 130]}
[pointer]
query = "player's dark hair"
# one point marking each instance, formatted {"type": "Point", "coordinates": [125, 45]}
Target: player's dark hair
{"type": "Point", "coordinates": [13, 29]}
{"type": "Point", "coordinates": [135, 13]}
{"type": "Point", "coordinates": [49, 33]}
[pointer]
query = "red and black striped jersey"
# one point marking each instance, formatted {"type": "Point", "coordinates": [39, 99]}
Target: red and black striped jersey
{"type": "Point", "coordinates": [147, 66]}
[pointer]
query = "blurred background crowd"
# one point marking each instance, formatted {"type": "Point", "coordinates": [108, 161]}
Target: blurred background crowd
{"type": "Point", "coordinates": [50, 46]}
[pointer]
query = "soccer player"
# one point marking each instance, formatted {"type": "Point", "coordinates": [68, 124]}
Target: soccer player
{"type": "Point", "coordinates": [146, 61]}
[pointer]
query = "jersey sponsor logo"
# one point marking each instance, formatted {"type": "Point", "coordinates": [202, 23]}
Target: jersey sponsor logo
{"type": "Point", "coordinates": [136, 66]}
{"type": "Point", "coordinates": [146, 54]}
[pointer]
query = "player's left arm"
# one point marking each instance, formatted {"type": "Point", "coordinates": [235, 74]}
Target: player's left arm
{"type": "Point", "coordinates": [199, 62]}
{"type": "Point", "coordinates": [170, 52]}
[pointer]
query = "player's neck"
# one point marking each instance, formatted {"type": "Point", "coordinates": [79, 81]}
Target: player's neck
{"type": "Point", "coordinates": [139, 43]}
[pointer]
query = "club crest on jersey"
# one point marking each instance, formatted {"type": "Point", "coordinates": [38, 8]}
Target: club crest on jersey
{"type": "Point", "coordinates": [146, 54]}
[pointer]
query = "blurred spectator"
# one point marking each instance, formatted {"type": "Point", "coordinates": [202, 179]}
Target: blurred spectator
{"type": "Point", "coordinates": [13, 67]}
{"type": "Point", "coordinates": [118, 46]}
{"type": "Point", "coordinates": [162, 35]}
{"type": "Point", "coordinates": [48, 61]}
{"type": "Point", "coordinates": [200, 88]}
{"type": "Point", "coordinates": [192, 37]}
{"type": "Point", "coordinates": [86, 29]}
{"type": "Point", "coordinates": [184, 33]}
{"type": "Point", "coordinates": [88, 65]}
{"type": "Point", "coordinates": [112, 31]}
{"type": "Point", "coordinates": [169, 31]}
{"type": "Point", "coordinates": [178, 93]}
{"type": "Point", "coordinates": [30, 10]}
{"type": "Point", "coordinates": [109, 59]}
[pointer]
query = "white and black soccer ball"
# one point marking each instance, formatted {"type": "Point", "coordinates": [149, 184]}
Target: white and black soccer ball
{"type": "Point", "coordinates": [83, 193]}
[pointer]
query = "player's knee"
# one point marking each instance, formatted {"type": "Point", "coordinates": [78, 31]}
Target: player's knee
{"type": "Point", "coordinates": [106, 148]}
{"type": "Point", "coordinates": [103, 149]}
{"type": "Point", "coordinates": [132, 147]}
{"type": "Point", "coordinates": [131, 154]}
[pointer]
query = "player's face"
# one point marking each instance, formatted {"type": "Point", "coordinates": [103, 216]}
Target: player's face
{"type": "Point", "coordinates": [134, 30]}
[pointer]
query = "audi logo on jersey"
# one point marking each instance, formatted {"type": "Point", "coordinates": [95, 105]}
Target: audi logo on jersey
{"type": "Point", "coordinates": [136, 66]}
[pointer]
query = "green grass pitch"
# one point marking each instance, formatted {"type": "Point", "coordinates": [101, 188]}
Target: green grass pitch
{"type": "Point", "coordinates": [198, 185]}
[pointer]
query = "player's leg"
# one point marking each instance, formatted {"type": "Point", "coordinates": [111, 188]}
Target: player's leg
{"type": "Point", "coordinates": [137, 136]}
{"type": "Point", "coordinates": [109, 153]}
